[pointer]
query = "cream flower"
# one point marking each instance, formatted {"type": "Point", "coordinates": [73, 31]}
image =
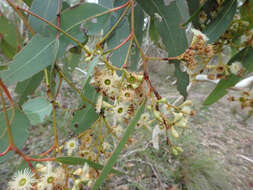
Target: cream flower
{"type": "Point", "coordinates": [22, 180]}
{"type": "Point", "coordinates": [236, 68]}
{"type": "Point", "coordinates": [120, 111]}
{"type": "Point", "coordinates": [47, 181]}
{"type": "Point", "coordinates": [71, 146]}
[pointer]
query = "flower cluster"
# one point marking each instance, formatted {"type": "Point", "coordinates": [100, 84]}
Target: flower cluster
{"type": "Point", "coordinates": [245, 100]}
{"type": "Point", "coordinates": [170, 119]}
{"type": "Point", "coordinates": [125, 93]}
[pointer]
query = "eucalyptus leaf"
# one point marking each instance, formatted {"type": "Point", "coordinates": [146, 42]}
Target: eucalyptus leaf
{"type": "Point", "coordinates": [37, 110]}
{"type": "Point", "coordinates": [34, 57]}
{"type": "Point", "coordinates": [169, 18]}
{"type": "Point", "coordinates": [220, 24]}
{"type": "Point", "coordinates": [182, 80]}
{"type": "Point", "coordinates": [138, 31]}
{"type": "Point", "coordinates": [28, 86]}
{"type": "Point", "coordinates": [46, 9]}
{"type": "Point", "coordinates": [19, 128]}
{"type": "Point", "coordinates": [84, 118]}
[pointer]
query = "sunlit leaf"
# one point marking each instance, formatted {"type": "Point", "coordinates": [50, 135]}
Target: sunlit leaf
{"type": "Point", "coordinates": [37, 110]}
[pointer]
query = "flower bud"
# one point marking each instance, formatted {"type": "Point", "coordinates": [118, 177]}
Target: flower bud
{"type": "Point", "coordinates": [157, 115]}
{"type": "Point", "coordinates": [174, 132]}
{"type": "Point", "coordinates": [181, 123]}
{"type": "Point", "coordinates": [174, 151]}
{"type": "Point", "coordinates": [177, 116]}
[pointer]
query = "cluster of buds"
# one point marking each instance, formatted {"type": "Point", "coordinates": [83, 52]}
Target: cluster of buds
{"type": "Point", "coordinates": [169, 119]}
{"type": "Point", "coordinates": [245, 100]}
{"type": "Point", "coordinates": [199, 49]}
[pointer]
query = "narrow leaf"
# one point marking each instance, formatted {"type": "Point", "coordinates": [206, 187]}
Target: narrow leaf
{"type": "Point", "coordinates": [82, 161]}
{"type": "Point", "coordinates": [220, 24]}
{"type": "Point", "coordinates": [129, 130]}
{"type": "Point", "coordinates": [182, 80]}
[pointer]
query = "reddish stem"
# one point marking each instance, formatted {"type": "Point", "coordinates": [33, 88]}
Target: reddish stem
{"type": "Point", "coordinates": [48, 151]}
{"type": "Point", "coordinates": [6, 91]}
{"type": "Point", "coordinates": [6, 151]}
{"type": "Point", "coordinates": [120, 7]}
{"type": "Point", "coordinates": [125, 41]}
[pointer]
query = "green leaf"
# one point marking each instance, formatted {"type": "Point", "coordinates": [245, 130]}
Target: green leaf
{"type": "Point", "coordinates": [153, 33]}
{"type": "Point", "coordinates": [7, 49]}
{"type": "Point", "coordinates": [220, 24]}
{"type": "Point", "coordinates": [8, 31]}
{"type": "Point", "coordinates": [34, 57]}
{"type": "Point", "coordinates": [108, 4]}
{"type": "Point", "coordinates": [138, 27]}
{"type": "Point", "coordinates": [71, 20]}
{"type": "Point", "coordinates": [182, 80]}
{"type": "Point", "coordinates": [194, 9]}
{"type": "Point", "coordinates": [169, 18]}
{"type": "Point", "coordinates": [81, 161]}
{"type": "Point", "coordinates": [46, 9]}
{"type": "Point", "coordinates": [84, 118]}
{"type": "Point", "coordinates": [19, 128]}
{"type": "Point", "coordinates": [129, 130]}
{"type": "Point", "coordinates": [3, 67]}
{"type": "Point", "coordinates": [245, 56]}
{"type": "Point", "coordinates": [37, 110]}
{"type": "Point", "coordinates": [118, 36]}
{"type": "Point", "coordinates": [71, 61]}
{"type": "Point", "coordinates": [28, 86]}
{"type": "Point", "coordinates": [10, 37]}
{"type": "Point", "coordinates": [28, 2]}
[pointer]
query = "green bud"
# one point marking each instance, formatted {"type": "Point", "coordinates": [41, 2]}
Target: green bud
{"type": "Point", "coordinates": [157, 115]}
